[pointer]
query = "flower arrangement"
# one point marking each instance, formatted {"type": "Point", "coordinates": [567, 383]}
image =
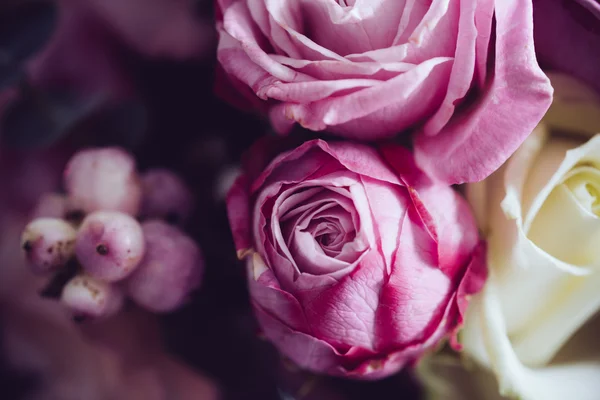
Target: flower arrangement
{"type": "Point", "coordinates": [299, 199]}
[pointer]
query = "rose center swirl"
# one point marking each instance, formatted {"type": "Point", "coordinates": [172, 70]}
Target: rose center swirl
{"type": "Point", "coordinates": [319, 229]}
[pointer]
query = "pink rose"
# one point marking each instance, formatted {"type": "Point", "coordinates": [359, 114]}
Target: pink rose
{"type": "Point", "coordinates": [357, 262]}
{"type": "Point", "coordinates": [462, 73]}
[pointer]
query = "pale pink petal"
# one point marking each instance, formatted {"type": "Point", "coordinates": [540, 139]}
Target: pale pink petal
{"type": "Point", "coordinates": [318, 155]}
{"type": "Point", "coordinates": [444, 212]}
{"type": "Point", "coordinates": [274, 32]}
{"type": "Point", "coordinates": [364, 26]}
{"type": "Point", "coordinates": [471, 284]}
{"type": "Point", "coordinates": [237, 27]}
{"type": "Point", "coordinates": [434, 36]}
{"type": "Point", "coordinates": [478, 141]}
{"type": "Point", "coordinates": [411, 312]}
{"type": "Point", "coordinates": [388, 205]}
{"type": "Point", "coordinates": [344, 314]}
{"type": "Point", "coordinates": [413, 13]}
{"type": "Point", "coordinates": [484, 18]}
{"type": "Point", "coordinates": [238, 65]}
{"type": "Point", "coordinates": [267, 294]}
{"type": "Point", "coordinates": [306, 92]}
{"type": "Point", "coordinates": [304, 349]}
{"type": "Point", "coordinates": [372, 112]}
{"type": "Point", "coordinates": [463, 69]}
{"type": "Point", "coordinates": [346, 69]}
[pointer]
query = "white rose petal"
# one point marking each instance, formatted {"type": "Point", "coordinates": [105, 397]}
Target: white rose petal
{"type": "Point", "coordinates": [541, 215]}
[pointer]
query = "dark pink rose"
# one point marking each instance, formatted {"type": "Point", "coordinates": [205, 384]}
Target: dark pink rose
{"type": "Point", "coordinates": [357, 262]}
{"type": "Point", "coordinates": [461, 73]}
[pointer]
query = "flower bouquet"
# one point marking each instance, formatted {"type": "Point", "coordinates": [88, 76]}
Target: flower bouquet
{"type": "Point", "coordinates": [300, 199]}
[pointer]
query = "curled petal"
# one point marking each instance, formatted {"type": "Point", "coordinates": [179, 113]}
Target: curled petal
{"type": "Point", "coordinates": [514, 378]}
{"type": "Point", "coordinates": [478, 141]}
{"type": "Point", "coordinates": [359, 114]}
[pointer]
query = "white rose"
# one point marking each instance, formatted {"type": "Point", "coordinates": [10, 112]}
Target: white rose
{"type": "Point", "coordinates": [541, 215]}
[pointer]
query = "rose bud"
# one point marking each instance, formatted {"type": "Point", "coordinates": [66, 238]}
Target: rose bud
{"type": "Point", "coordinates": [165, 196]}
{"type": "Point", "coordinates": [462, 73]}
{"type": "Point", "coordinates": [103, 179]}
{"type": "Point", "coordinates": [533, 330]}
{"type": "Point", "coordinates": [109, 245]}
{"type": "Point", "coordinates": [170, 270]}
{"type": "Point", "coordinates": [88, 297]}
{"type": "Point", "coordinates": [357, 262]}
{"type": "Point", "coordinates": [48, 243]}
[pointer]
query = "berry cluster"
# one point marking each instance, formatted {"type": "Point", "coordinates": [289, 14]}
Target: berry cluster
{"type": "Point", "coordinates": [114, 234]}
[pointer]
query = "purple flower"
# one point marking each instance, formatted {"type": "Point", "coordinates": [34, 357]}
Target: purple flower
{"type": "Point", "coordinates": [462, 73]}
{"type": "Point", "coordinates": [357, 263]}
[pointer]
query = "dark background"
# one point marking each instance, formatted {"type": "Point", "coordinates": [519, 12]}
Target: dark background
{"type": "Point", "coordinates": [176, 121]}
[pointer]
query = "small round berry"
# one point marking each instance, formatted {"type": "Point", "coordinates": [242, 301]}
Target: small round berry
{"type": "Point", "coordinates": [48, 244]}
{"type": "Point", "coordinates": [166, 196]}
{"type": "Point", "coordinates": [103, 179]}
{"type": "Point", "coordinates": [172, 267]}
{"type": "Point", "coordinates": [110, 244]}
{"type": "Point", "coordinates": [88, 297]}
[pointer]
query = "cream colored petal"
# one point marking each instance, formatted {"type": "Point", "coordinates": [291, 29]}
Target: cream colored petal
{"type": "Point", "coordinates": [443, 377]}
{"type": "Point", "coordinates": [564, 229]}
{"type": "Point", "coordinates": [579, 381]}
{"type": "Point", "coordinates": [505, 364]}
{"type": "Point", "coordinates": [504, 201]}
{"type": "Point", "coordinates": [569, 232]}
{"type": "Point", "coordinates": [523, 267]}
{"type": "Point", "coordinates": [540, 291]}
{"type": "Point", "coordinates": [517, 170]}
{"type": "Point", "coordinates": [584, 183]}
{"type": "Point", "coordinates": [527, 271]}
{"type": "Point", "coordinates": [588, 152]}
{"type": "Point", "coordinates": [478, 196]}
{"type": "Point", "coordinates": [575, 301]}
{"type": "Point", "coordinates": [524, 251]}
{"type": "Point", "coordinates": [545, 167]}
{"type": "Point", "coordinates": [470, 335]}
{"type": "Point", "coordinates": [520, 266]}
